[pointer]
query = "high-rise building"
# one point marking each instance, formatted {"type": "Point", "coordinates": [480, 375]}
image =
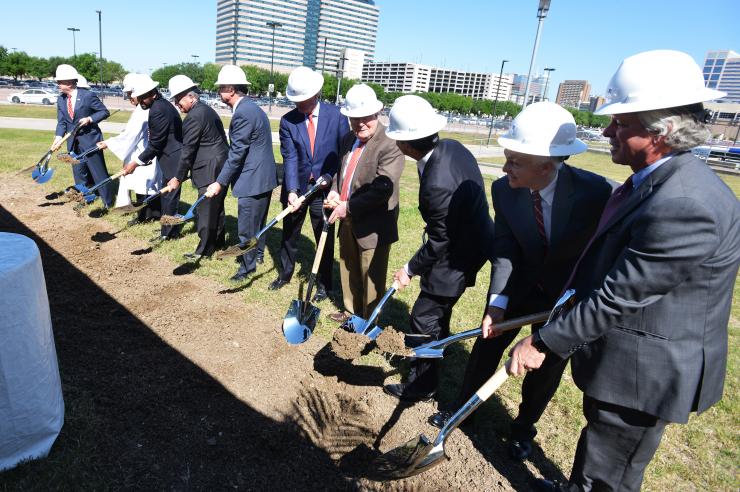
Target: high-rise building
{"type": "Point", "coordinates": [414, 77]}
{"type": "Point", "coordinates": [722, 72]}
{"type": "Point", "coordinates": [308, 32]}
{"type": "Point", "coordinates": [571, 93]}
{"type": "Point", "coordinates": [536, 88]}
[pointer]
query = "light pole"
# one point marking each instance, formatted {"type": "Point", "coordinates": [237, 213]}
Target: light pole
{"type": "Point", "coordinates": [542, 10]}
{"type": "Point", "coordinates": [100, 41]}
{"type": "Point", "coordinates": [274, 25]}
{"type": "Point", "coordinates": [495, 100]}
{"type": "Point", "coordinates": [340, 71]}
{"type": "Point", "coordinates": [547, 82]}
{"type": "Point", "coordinates": [195, 58]}
{"type": "Point", "coordinates": [74, 41]}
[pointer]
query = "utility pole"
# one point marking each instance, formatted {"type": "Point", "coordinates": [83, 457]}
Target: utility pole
{"type": "Point", "coordinates": [100, 41]}
{"type": "Point", "coordinates": [547, 82]}
{"type": "Point", "coordinates": [74, 41]}
{"type": "Point", "coordinates": [542, 10]}
{"type": "Point", "coordinates": [495, 100]}
{"type": "Point", "coordinates": [274, 25]}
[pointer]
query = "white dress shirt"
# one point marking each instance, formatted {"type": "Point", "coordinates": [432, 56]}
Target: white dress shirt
{"type": "Point", "coordinates": [420, 165]}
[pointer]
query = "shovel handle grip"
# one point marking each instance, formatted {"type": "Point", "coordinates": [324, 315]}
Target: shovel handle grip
{"type": "Point", "coordinates": [494, 382]}
{"type": "Point", "coordinates": [117, 175]}
{"type": "Point", "coordinates": [319, 252]}
{"type": "Point", "coordinates": [287, 210]}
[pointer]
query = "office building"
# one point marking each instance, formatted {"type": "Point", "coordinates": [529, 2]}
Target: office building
{"type": "Point", "coordinates": [413, 77]}
{"type": "Point", "coordinates": [308, 32]}
{"type": "Point", "coordinates": [519, 85]}
{"type": "Point", "coordinates": [722, 72]}
{"type": "Point", "coordinates": [571, 93]}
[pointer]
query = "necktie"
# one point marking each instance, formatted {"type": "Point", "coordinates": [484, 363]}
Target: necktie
{"type": "Point", "coordinates": [619, 196]}
{"type": "Point", "coordinates": [70, 108]}
{"type": "Point", "coordinates": [353, 160]}
{"type": "Point", "coordinates": [538, 217]}
{"type": "Point", "coordinates": [311, 132]}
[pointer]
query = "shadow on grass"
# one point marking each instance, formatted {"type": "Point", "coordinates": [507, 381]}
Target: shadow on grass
{"type": "Point", "coordinates": [140, 415]}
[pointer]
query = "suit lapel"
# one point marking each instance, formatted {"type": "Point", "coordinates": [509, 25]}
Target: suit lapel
{"type": "Point", "coordinates": [561, 206]}
{"type": "Point", "coordinates": [303, 132]}
{"type": "Point", "coordinates": [321, 130]}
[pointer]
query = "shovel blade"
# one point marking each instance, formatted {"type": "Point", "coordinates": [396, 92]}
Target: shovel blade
{"type": "Point", "coordinates": [411, 458]}
{"type": "Point", "coordinates": [42, 176]}
{"type": "Point", "coordinates": [299, 322]}
{"type": "Point", "coordinates": [355, 324]}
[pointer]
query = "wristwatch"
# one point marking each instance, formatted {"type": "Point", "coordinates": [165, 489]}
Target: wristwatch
{"type": "Point", "coordinates": [538, 343]}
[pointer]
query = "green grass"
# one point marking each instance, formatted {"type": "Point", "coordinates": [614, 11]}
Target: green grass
{"type": "Point", "coordinates": [701, 455]}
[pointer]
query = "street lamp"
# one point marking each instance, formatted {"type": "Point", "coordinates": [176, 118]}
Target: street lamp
{"type": "Point", "coordinates": [195, 58]}
{"type": "Point", "coordinates": [74, 41]}
{"type": "Point", "coordinates": [547, 82]}
{"type": "Point", "coordinates": [542, 10]}
{"type": "Point", "coordinates": [495, 100]}
{"type": "Point", "coordinates": [340, 71]}
{"type": "Point", "coordinates": [100, 38]}
{"type": "Point", "coordinates": [274, 25]}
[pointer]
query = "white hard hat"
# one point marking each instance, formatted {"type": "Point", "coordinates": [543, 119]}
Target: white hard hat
{"type": "Point", "coordinates": [179, 84]}
{"type": "Point", "coordinates": [303, 83]}
{"type": "Point", "coordinates": [143, 84]}
{"type": "Point", "coordinates": [231, 75]}
{"type": "Point", "coordinates": [82, 82]}
{"type": "Point", "coordinates": [545, 129]}
{"type": "Point", "coordinates": [128, 81]}
{"type": "Point", "coordinates": [66, 72]}
{"type": "Point", "coordinates": [656, 80]}
{"type": "Point", "coordinates": [412, 117]}
{"type": "Point", "coordinates": [361, 101]}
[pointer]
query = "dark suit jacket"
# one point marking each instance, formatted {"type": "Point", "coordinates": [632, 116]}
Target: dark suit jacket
{"type": "Point", "coordinates": [86, 104]}
{"type": "Point", "coordinates": [165, 137]}
{"type": "Point", "coordinates": [655, 289]}
{"type": "Point", "coordinates": [519, 263]}
{"type": "Point", "coordinates": [296, 148]}
{"type": "Point", "coordinates": [250, 167]}
{"type": "Point", "coordinates": [204, 146]}
{"type": "Point", "coordinates": [373, 199]}
{"type": "Point", "coordinates": [452, 202]}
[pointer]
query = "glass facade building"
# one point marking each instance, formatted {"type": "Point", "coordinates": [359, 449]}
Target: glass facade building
{"type": "Point", "coordinates": [311, 32]}
{"type": "Point", "coordinates": [722, 72]}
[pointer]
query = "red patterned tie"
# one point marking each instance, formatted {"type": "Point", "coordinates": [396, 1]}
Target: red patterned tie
{"type": "Point", "coordinates": [70, 108]}
{"type": "Point", "coordinates": [353, 160]}
{"type": "Point", "coordinates": [311, 132]}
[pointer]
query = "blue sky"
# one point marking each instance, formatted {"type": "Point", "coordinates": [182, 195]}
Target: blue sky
{"type": "Point", "coordinates": [581, 39]}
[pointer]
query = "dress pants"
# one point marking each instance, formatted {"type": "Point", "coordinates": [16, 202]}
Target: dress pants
{"type": "Point", "coordinates": [429, 316]}
{"type": "Point", "coordinates": [153, 211]}
{"type": "Point", "coordinates": [292, 225]}
{"type": "Point", "coordinates": [92, 172]}
{"type": "Point", "coordinates": [210, 223]}
{"type": "Point", "coordinates": [362, 272]}
{"type": "Point", "coordinates": [251, 218]}
{"type": "Point", "coordinates": [615, 447]}
{"type": "Point", "coordinates": [168, 206]}
{"type": "Point", "coordinates": [538, 387]}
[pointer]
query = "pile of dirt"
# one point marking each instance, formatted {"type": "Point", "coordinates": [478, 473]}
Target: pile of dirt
{"type": "Point", "coordinates": [348, 345]}
{"type": "Point", "coordinates": [170, 220]}
{"type": "Point", "coordinates": [392, 341]}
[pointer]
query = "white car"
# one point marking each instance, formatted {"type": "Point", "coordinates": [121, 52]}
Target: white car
{"type": "Point", "coordinates": [34, 96]}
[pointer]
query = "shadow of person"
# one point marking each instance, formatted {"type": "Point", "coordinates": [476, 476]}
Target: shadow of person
{"type": "Point", "coordinates": [327, 363]}
{"type": "Point", "coordinates": [252, 279]}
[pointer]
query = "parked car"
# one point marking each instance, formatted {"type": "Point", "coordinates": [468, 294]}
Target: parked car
{"type": "Point", "coordinates": [33, 96]}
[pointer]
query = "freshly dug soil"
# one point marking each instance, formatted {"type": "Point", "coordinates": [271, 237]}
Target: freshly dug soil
{"type": "Point", "coordinates": [170, 220]}
{"type": "Point", "coordinates": [348, 346]}
{"type": "Point", "coordinates": [392, 342]}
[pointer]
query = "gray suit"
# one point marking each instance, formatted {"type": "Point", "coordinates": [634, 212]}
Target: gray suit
{"type": "Point", "coordinates": [251, 171]}
{"type": "Point", "coordinates": [648, 338]}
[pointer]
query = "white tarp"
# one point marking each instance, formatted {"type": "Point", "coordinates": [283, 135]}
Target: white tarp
{"type": "Point", "coordinates": [31, 403]}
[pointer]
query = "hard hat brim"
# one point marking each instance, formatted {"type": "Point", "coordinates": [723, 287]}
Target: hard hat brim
{"type": "Point", "coordinates": [360, 113]}
{"type": "Point", "coordinates": [658, 102]}
{"type": "Point", "coordinates": [578, 146]}
{"type": "Point", "coordinates": [173, 96]}
{"type": "Point", "coordinates": [435, 125]}
{"type": "Point", "coordinates": [148, 87]}
{"type": "Point", "coordinates": [316, 83]}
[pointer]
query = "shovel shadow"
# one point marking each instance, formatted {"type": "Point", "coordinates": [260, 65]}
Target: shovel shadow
{"type": "Point", "coordinates": [328, 364]}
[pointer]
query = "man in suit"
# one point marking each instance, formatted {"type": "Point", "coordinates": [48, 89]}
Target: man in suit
{"type": "Point", "coordinates": [165, 143]}
{"type": "Point", "coordinates": [648, 336]}
{"type": "Point", "coordinates": [545, 213]}
{"type": "Point", "coordinates": [84, 108]}
{"type": "Point", "coordinates": [250, 166]}
{"type": "Point", "coordinates": [204, 150]}
{"type": "Point", "coordinates": [364, 197]}
{"type": "Point", "coordinates": [310, 136]}
{"type": "Point", "coordinates": [452, 202]}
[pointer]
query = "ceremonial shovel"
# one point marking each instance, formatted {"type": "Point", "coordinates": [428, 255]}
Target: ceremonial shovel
{"type": "Point", "coordinates": [419, 454]}
{"type": "Point", "coordinates": [363, 327]}
{"type": "Point", "coordinates": [300, 320]}
{"type": "Point", "coordinates": [74, 159]}
{"type": "Point", "coordinates": [178, 219]}
{"type": "Point", "coordinates": [251, 243]}
{"type": "Point", "coordinates": [85, 195]}
{"type": "Point", "coordinates": [41, 172]}
{"type": "Point", "coordinates": [135, 207]}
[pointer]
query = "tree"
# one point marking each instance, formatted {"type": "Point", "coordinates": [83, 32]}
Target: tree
{"type": "Point", "coordinates": [210, 75]}
{"type": "Point", "coordinates": [39, 67]}
{"type": "Point", "coordinates": [16, 64]}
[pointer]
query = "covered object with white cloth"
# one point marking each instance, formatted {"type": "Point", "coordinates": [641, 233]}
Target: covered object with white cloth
{"type": "Point", "coordinates": [31, 402]}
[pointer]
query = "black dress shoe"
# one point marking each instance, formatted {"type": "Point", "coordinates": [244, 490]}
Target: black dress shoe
{"type": "Point", "coordinates": [520, 449]}
{"type": "Point", "coordinates": [542, 485]}
{"type": "Point", "coordinates": [440, 419]}
{"type": "Point", "coordinates": [407, 392]}
{"type": "Point", "coordinates": [320, 294]}
{"type": "Point", "coordinates": [239, 276]}
{"type": "Point", "coordinates": [277, 284]}
{"type": "Point", "coordinates": [260, 259]}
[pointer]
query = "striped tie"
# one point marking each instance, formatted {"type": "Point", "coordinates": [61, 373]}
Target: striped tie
{"type": "Point", "coordinates": [539, 218]}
